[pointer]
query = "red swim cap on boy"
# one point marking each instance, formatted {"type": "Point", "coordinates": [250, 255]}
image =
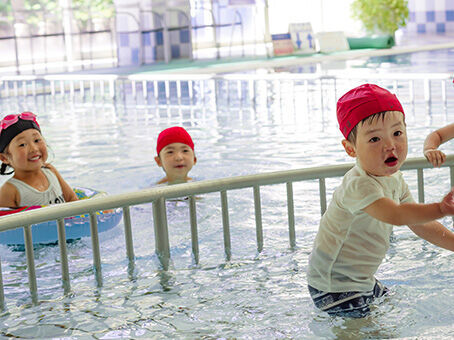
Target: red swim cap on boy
{"type": "Point", "coordinates": [364, 101]}
{"type": "Point", "coordinates": [171, 135]}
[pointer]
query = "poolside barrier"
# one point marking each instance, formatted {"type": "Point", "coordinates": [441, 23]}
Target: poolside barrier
{"type": "Point", "coordinates": [429, 86]}
{"type": "Point", "coordinates": [158, 196]}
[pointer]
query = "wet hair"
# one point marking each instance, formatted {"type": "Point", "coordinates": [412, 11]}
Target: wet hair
{"type": "Point", "coordinates": [352, 135]}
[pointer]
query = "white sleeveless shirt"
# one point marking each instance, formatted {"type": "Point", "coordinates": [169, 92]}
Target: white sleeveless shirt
{"type": "Point", "coordinates": [30, 196]}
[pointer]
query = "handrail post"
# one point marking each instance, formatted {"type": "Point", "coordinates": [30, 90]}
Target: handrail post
{"type": "Point", "coordinates": [30, 263]}
{"type": "Point", "coordinates": [194, 233]}
{"type": "Point", "coordinates": [95, 246]}
{"type": "Point", "coordinates": [322, 192]}
{"type": "Point", "coordinates": [427, 92]}
{"type": "Point", "coordinates": [161, 232]}
{"type": "Point", "coordinates": [291, 215]}
{"type": "Point", "coordinates": [63, 255]}
{"type": "Point", "coordinates": [226, 225]}
{"type": "Point", "coordinates": [128, 241]}
{"type": "Point", "coordinates": [258, 218]}
{"type": "Point", "coordinates": [128, 234]}
{"type": "Point", "coordinates": [420, 185]}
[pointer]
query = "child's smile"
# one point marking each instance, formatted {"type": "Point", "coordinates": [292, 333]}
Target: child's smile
{"type": "Point", "coordinates": [35, 158]}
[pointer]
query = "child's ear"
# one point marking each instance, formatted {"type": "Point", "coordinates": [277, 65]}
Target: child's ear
{"type": "Point", "coordinates": [349, 148]}
{"type": "Point", "coordinates": [158, 161]}
{"type": "Point", "coordinates": [3, 158]}
{"type": "Point", "coordinates": [195, 160]}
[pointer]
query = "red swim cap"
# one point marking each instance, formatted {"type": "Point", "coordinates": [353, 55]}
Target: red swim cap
{"type": "Point", "coordinates": [364, 101]}
{"type": "Point", "coordinates": [171, 135]}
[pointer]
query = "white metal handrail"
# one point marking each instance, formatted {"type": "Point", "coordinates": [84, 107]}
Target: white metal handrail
{"type": "Point", "coordinates": [158, 196]}
{"type": "Point", "coordinates": [429, 87]}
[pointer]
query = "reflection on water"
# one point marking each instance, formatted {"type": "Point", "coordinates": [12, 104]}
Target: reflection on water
{"type": "Point", "coordinates": [109, 145]}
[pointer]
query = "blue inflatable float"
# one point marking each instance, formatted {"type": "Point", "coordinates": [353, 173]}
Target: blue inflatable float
{"type": "Point", "coordinates": [75, 227]}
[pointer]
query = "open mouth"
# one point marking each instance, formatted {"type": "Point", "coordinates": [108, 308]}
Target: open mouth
{"type": "Point", "coordinates": [391, 160]}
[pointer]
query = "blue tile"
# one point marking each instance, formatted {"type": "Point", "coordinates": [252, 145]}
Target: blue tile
{"type": "Point", "coordinates": [146, 39]}
{"type": "Point", "coordinates": [184, 36]}
{"type": "Point", "coordinates": [441, 28]}
{"type": "Point", "coordinates": [430, 16]}
{"type": "Point", "coordinates": [135, 56]}
{"type": "Point", "coordinates": [159, 39]}
{"type": "Point", "coordinates": [175, 51]}
{"type": "Point", "coordinates": [421, 28]}
{"type": "Point", "coordinates": [449, 15]}
{"type": "Point", "coordinates": [412, 17]}
{"type": "Point", "coordinates": [124, 39]}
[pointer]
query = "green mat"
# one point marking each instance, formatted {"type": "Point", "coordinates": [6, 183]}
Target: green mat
{"type": "Point", "coordinates": [383, 41]}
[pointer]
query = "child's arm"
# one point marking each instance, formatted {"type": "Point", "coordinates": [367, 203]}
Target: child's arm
{"type": "Point", "coordinates": [68, 193]}
{"type": "Point", "coordinates": [388, 211]}
{"type": "Point", "coordinates": [9, 196]}
{"type": "Point", "coordinates": [435, 233]}
{"type": "Point", "coordinates": [434, 140]}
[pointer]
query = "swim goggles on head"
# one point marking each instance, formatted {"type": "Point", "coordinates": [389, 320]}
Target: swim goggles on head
{"type": "Point", "coordinates": [13, 119]}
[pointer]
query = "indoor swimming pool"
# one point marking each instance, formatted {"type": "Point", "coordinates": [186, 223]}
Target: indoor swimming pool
{"type": "Point", "coordinates": [109, 144]}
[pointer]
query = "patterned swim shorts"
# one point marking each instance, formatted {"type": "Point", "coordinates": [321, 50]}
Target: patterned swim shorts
{"type": "Point", "coordinates": [349, 304]}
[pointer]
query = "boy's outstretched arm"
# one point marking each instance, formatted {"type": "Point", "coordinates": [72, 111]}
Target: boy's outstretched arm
{"type": "Point", "coordinates": [388, 211]}
{"type": "Point", "coordinates": [434, 140]}
{"type": "Point", "coordinates": [435, 233]}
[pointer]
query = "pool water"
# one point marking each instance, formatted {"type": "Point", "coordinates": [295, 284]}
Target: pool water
{"type": "Point", "coordinates": [109, 145]}
{"type": "Point", "coordinates": [434, 61]}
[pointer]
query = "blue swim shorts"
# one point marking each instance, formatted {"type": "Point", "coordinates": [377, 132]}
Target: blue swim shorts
{"type": "Point", "coordinates": [349, 304]}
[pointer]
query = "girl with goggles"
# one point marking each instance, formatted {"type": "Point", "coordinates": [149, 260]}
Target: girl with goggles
{"type": "Point", "coordinates": [23, 149]}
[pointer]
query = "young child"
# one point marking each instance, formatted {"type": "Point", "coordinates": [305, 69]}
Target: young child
{"type": "Point", "coordinates": [354, 232]}
{"type": "Point", "coordinates": [34, 182]}
{"type": "Point", "coordinates": [434, 140]}
{"type": "Point", "coordinates": [175, 151]}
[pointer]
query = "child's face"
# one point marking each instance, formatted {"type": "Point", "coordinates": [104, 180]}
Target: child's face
{"type": "Point", "coordinates": [26, 152]}
{"type": "Point", "coordinates": [177, 159]}
{"type": "Point", "coordinates": [381, 144]}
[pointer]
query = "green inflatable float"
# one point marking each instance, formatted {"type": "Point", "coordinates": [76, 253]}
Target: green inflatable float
{"type": "Point", "coordinates": [383, 41]}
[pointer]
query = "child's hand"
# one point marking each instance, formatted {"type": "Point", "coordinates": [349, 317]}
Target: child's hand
{"type": "Point", "coordinates": [447, 204]}
{"type": "Point", "coordinates": [434, 156]}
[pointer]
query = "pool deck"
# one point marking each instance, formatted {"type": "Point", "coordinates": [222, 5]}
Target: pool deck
{"type": "Point", "coordinates": [405, 44]}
